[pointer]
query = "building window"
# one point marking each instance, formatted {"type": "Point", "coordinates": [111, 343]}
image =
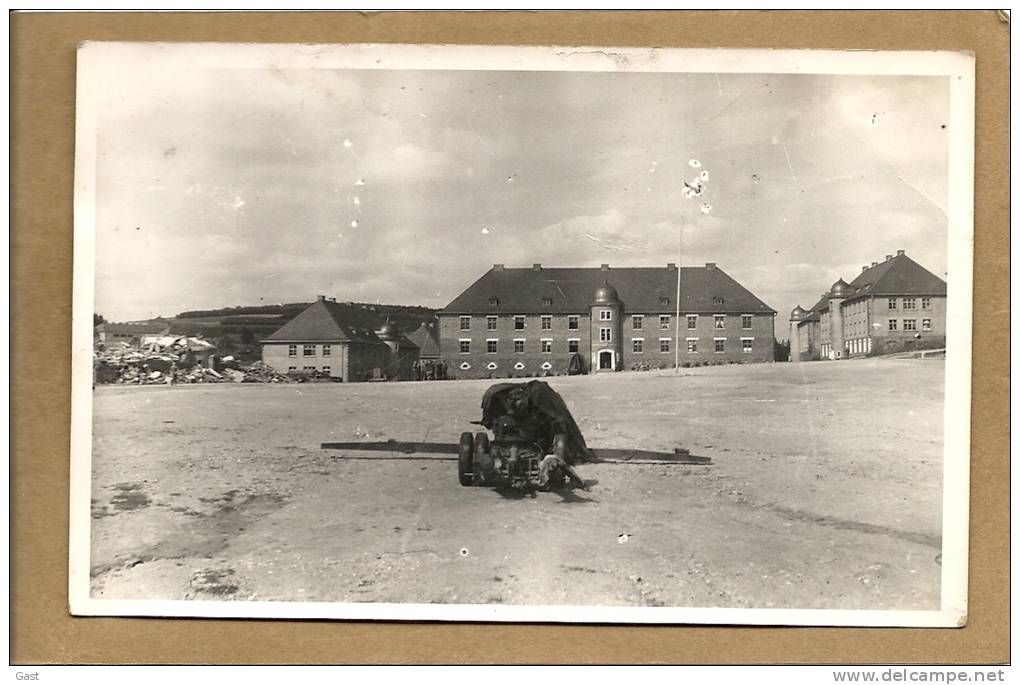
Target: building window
{"type": "Point", "coordinates": [518, 345]}
{"type": "Point", "coordinates": [692, 345]}
{"type": "Point", "coordinates": [572, 322]}
{"type": "Point", "coordinates": [910, 324]}
{"type": "Point", "coordinates": [892, 325]}
{"type": "Point", "coordinates": [308, 368]}
{"type": "Point", "coordinates": [606, 315]}
{"type": "Point", "coordinates": [925, 303]}
{"type": "Point", "coordinates": [925, 324]}
{"type": "Point", "coordinates": [720, 345]}
{"type": "Point", "coordinates": [718, 300]}
{"type": "Point", "coordinates": [606, 334]}
{"type": "Point", "coordinates": [490, 323]}
{"type": "Point", "coordinates": [637, 322]}
{"type": "Point", "coordinates": [892, 303]}
{"type": "Point", "coordinates": [465, 346]}
{"type": "Point", "coordinates": [546, 322]}
{"type": "Point", "coordinates": [692, 322]}
{"type": "Point", "coordinates": [292, 350]}
{"type": "Point", "coordinates": [664, 301]}
{"type": "Point", "coordinates": [909, 303]}
{"type": "Point", "coordinates": [546, 346]}
{"type": "Point", "coordinates": [663, 344]}
{"type": "Point", "coordinates": [745, 321]}
{"type": "Point", "coordinates": [493, 301]}
{"type": "Point", "coordinates": [547, 301]}
{"type": "Point", "coordinates": [291, 368]}
{"type": "Point", "coordinates": [746, 345]}
{"type": "Point", "coordinates": [491, 345]}
{"type": "Point", "coordinates": [327, 350]}
{"type": "Point", "coordinates": [465, 323]}
{"type": "Point", "coordinates": [638, 345]}
{"type": "Point", "coordinates": [720, 321]}
{"type": "Point", "coordinates": [518, 323]}
{"type": "Point", "coordinates": [309, 350]}
{"type": "Point", "coordinates": [326, 370]}
{"type": "Point", "coordinates": [664, 322]}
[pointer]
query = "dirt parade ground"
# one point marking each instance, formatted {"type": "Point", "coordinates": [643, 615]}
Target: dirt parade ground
{"type": "Point", "coordinates": [824, 491]}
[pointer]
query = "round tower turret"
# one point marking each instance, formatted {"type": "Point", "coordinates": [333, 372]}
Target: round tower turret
{"type": "Point", "coordinates": [606, 294]}
{"type": "Point", "coordinates": [839, 291]}
{"type": "Point", "coordinates": [796, 316]}
{"type": "Point", "coordinates": [388, 331]}
{"type": "Point", "coordinates": [606, 329]}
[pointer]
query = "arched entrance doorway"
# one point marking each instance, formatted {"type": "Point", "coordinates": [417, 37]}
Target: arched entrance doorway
{"type": "Point", "coordinates": [606, 360]}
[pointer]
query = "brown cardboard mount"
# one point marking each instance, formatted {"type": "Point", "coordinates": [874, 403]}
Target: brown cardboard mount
{"type": "Point", "coordinates": [43, 48]}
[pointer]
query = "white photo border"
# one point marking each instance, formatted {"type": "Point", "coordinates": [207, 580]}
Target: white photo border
{"type": "Point", "coordinates": [96, 60]}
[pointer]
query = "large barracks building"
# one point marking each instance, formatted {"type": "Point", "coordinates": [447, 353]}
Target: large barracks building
{"type": "Point", "coordinates": [892, 306]}
{"type": "Point", "coordinates": [542, 321]}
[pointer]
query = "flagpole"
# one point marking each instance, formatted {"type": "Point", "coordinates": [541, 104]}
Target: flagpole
{"type": "Point", "coordinates": [679, 267]}
{"type": "Point", "coordinates": [690, 191]}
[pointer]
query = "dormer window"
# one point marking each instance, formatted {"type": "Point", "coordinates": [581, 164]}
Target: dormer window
{"type": "Point", "coordinates": [718, 300]}
{"type": "Point", "coordinates": [493, 301]}
{"type": "Point", "coordinates": [547, 301]}
{"type": "Point", "coordinates": [664, 301]}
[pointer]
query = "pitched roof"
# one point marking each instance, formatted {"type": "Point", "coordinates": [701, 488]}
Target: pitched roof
{"type": "Point", "coordinates": [571, 290]}
{"type": "Point", "coordinates": [814, 314]}
{"type": "Point", "coordinates": [426, 337]}
{"type": "Point", "coordinates": [325, 321]}
{"type": "Point", "coordinates": [900, 275]}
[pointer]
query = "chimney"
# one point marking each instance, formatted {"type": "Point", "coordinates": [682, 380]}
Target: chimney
{"type": "Point", "coordinates": [536, 267]}
{"type": "Point", "coordinates": [864, 268]}
{"type": "Point", "coordinates": [671, 265]}
{"type": "Point", "coordinates": [888, 257]}
{"type": "Point", "coordinates": [709, 265]}
{"type": "Point", "coordinates": [874, 263]}
{"type": "Point", "coordinates": [497, 267]}
{"type": "Point", "coordinates": [900, 253]}
{"type": "Point", "coordinates": [605, 267]}
{"type": "Point", "coordinates": [320, 298]}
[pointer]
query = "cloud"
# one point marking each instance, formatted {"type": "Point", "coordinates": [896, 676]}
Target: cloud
{"type": "Point", "coordinates": [233, 176]}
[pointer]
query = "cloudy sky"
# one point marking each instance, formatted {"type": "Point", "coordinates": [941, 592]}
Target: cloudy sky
{"type": "Point", "coordinates": [231, 187]}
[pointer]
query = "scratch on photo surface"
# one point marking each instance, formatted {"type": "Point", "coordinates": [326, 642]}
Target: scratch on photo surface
{"type": "Point", "coordinates": [731, 102]}
{"type": "Point", "coordinates": [919, 190]}
{"type": "Point", "coordinates": [607, 244]}
{"type": "Point", "coordinates": [788, 164]}
{"type": "Point", "coordinates": [896, 172]}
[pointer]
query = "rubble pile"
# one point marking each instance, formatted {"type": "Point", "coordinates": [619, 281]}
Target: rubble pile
{"type": "Point", "coordinates": [260, 372]}
{"type": "Point", "coordinates": [159, 359]}
{"type": "Point", "coordinates": [169, 360]}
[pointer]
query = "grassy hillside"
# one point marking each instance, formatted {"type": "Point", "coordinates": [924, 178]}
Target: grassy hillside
{"type": "Point", "coordinates": [238, 330]}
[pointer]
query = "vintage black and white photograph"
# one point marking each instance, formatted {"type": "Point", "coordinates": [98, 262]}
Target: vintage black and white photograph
{"type": "Point", "coordinates": [540, 334]}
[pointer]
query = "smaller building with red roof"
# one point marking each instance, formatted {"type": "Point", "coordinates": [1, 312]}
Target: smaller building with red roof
{"type": "Point", "coordinates": [341, 341]}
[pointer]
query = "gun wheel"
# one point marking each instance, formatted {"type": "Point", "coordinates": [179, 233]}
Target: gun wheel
{"type": "Point", "coordinates": [482, 458]}
{"type": "Point", "coordinates": [465, 459]}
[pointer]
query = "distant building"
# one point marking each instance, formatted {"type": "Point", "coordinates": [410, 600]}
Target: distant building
{"type": "Point", "coordinates": [891, 306]}
{"type": "Point", "coordinates": [542, 321]}
{"type": "Point", "coordinates": [426, 337]}
{"type": "Point", "coordinates": [343, 341]}
{"type": "Point", "coordinates": [130, 333]}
